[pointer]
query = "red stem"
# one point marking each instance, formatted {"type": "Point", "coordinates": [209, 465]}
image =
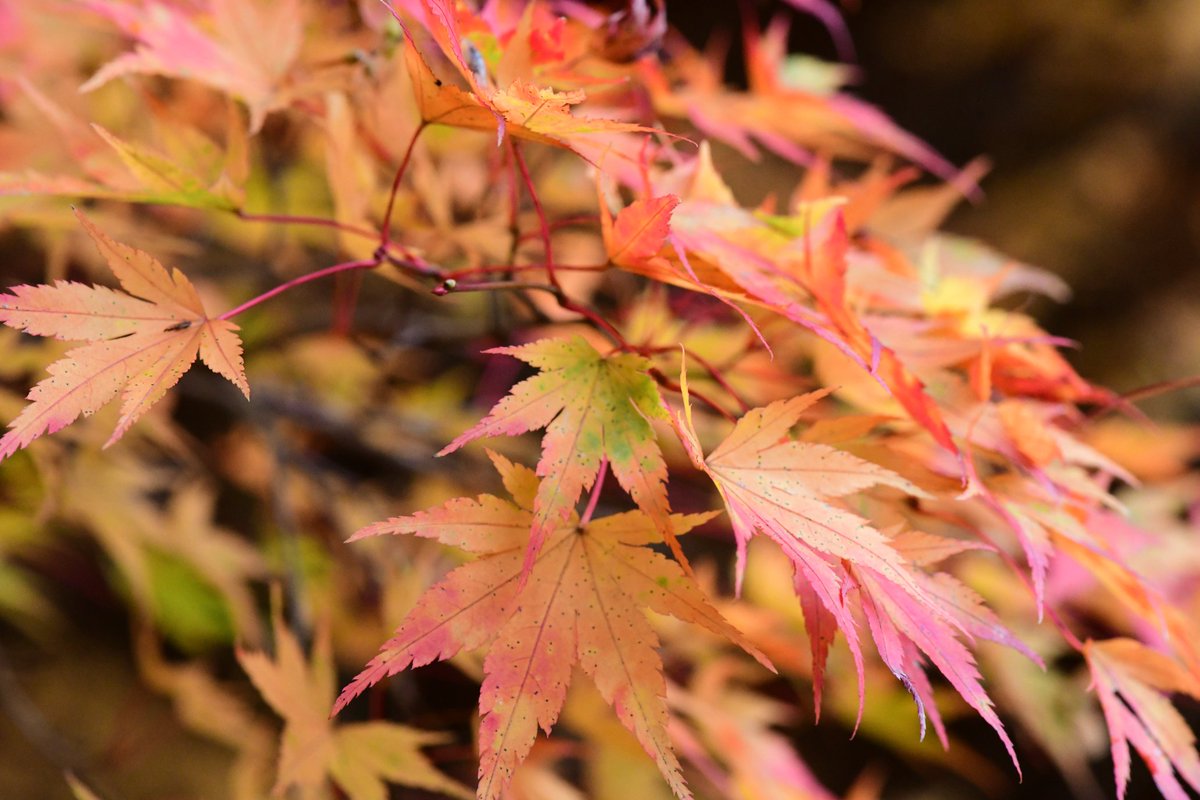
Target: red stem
{"type": "Point", "coordinates": [716, 375]}
{"type": "Point", "coordinates": [312, 276]}
{"type": "Point", "coordinates": [595, 496]}
{"type": "Point", "coordinates": [541, 213]}
{"type": "Point", "coordinates": [385, 230]}
{"type": "Point", "coordinates": [1126, 399]}
{"type": "Point", "coordinates": [346, 289]}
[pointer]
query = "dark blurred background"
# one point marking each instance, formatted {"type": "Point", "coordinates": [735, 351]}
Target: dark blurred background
{"type": "Point", "coordinates": [1089, 111]}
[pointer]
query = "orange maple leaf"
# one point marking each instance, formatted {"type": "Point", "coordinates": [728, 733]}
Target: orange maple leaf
{"type": "Point", "coordinates": [142, 341]}
{"type": "Point", "coordinates": [524, 110]}
{"type": "Point", "coordinates": [639, 231]}
{"type": "Point", "coordinates": [582, 604]}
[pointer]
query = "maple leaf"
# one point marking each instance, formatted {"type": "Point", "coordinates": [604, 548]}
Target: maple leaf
{"type": "Point", "coordinates": [594, 408]}
{"type": "Point", "coordinates": [823, 268]}
{"type": "Point", "coordinates": [244, 48]}
{"type": "Point", "coordinates": [519, 105]}
{"type": "Point", "coordinates": [639, 231]}
{"type": "Point", "coordinates": [524, 110]}
{"type": "Point", "coordinates": [582, 604]}
{"type": "Point", "coordinates": [1130, 679]}
{"type": "Point", "coordinates": [787, 120]}
{"type": "Point", "coordinates": [782, 262]}
{"type": "Point", "coordinates": [773, 485]}
{"type": "Point", "coordinates": [904, 626]}
{"type": "Point", "coordinates": [142, 341]}
{"type": "Point", "coordinates": [360, 757]}
{"type": "Point", "coordinates": [737, 726]}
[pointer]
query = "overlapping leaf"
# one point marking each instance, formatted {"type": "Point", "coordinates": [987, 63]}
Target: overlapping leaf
{"type": "Point", "coordinates": [244, 48]}
{"type": "Point", "coordinates": [141, 342]}
{"type": "Point", "coordinates": [776, 486]}
{"type": "Point", "coordinates": [594, 409]}
{"type": "Point", "coordinates": [1131, 681]}
{"type": "Point", "coordinates": [521, 107]}
{"type": "Point", "coordinates": [639, 231]}
{"type": "Point", "coordinates": [904, 628]}
{"type": "Point", "coordinates": [582, 604]}
{"type": "Point", "coordinates": [791, 121]}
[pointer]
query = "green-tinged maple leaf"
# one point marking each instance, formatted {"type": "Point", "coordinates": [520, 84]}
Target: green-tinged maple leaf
{"type": "Point", "coordinates": [582, 604]}
{"type": "Point", "coordinates": [168, 181]}
{"type": "Point", "coordinates": [1131, 681]}
{"type": "Point", "coordinates": [142, 342]}
{"type": "Point", "coordinates": [162, 182]}
{"type": "Point", "coordinates": [593, 408]}
{"type": "Point", "coordinates": [360, 758]}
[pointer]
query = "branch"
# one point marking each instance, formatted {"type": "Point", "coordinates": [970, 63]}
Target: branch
{"type": "Point", "coordinates": [450, 285]}
{"type": "Point", "coordinates": [312, 276]}
{"type": "Point", "coordinates": [385, 229]}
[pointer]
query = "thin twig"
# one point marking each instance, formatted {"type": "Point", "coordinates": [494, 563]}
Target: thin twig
{"type": "Point", "coordinates": [541, 213]}
{"type": "Point", "coordinates": [385, 229]}
{"type": "Point", "coordinates": [505, 269]}
{"type": "Point", "coordinates": [566, 222]}
{"type": "Point", "coordinates": [1126, 400]}
{"type": "Point", "coordinates": [345, 266]}
{"type": "Point", "coordinates": [719, 378]}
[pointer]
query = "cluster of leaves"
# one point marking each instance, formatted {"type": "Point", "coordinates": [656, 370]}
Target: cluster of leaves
{"type": "Point", "coordinates": [822, 370]}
